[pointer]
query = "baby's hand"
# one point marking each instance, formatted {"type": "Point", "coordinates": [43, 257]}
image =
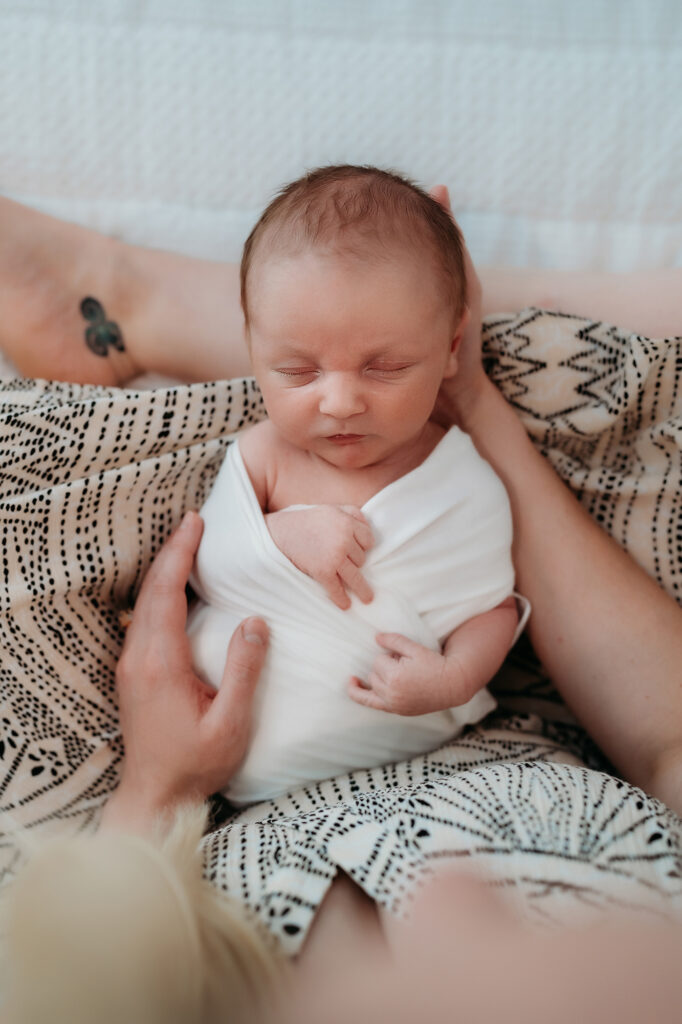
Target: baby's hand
{"type": "Point", "coordinates": [407, 679]}
{"type": "Point", "coordinates": [328, 543]}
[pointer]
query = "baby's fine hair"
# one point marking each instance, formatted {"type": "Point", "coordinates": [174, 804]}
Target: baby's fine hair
{"type": "Point", "coordinates": [362, 212]}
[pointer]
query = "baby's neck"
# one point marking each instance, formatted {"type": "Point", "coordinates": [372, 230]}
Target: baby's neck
{"type": "Point", "coordinates": [305, 479]}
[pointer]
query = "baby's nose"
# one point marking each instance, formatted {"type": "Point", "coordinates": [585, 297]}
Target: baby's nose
{"type": "Point", "coordinates": [341, 397]}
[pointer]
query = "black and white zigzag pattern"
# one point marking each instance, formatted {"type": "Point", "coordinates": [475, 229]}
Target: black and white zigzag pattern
{"type": "Point", "coordinates": [93, 480]}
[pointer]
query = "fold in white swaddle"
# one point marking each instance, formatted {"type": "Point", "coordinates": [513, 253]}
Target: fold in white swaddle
{"type": "Point", "coordinates": [442, 554]}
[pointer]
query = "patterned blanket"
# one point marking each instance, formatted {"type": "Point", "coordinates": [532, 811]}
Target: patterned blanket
{"type": "Point", "coordinates": [92, 482]}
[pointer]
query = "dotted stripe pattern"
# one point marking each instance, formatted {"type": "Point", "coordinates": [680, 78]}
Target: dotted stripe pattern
{"type": "Point", "coordinates": [93, 480]}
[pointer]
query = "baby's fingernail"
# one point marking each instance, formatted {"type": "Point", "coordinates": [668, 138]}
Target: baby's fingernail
{"type": "Point", "coordinates": [187, 520]}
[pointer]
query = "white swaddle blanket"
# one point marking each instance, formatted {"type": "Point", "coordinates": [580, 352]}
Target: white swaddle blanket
{"type": "Point", "coordinates": [442, 554]}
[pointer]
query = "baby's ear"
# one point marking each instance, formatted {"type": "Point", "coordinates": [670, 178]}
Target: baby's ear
{"type": "Point", "coordinates": [451, 365]}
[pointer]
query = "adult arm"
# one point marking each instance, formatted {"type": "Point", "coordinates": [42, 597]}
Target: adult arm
{"type": "Point", "coordinates": [183, 739]}
{"type": "Point", "coordinates": [608, 635]}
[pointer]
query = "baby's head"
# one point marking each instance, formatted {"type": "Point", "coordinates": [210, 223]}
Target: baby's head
{"type": "Point", "coordinates": [353, 288]}
{"type": "Point", "coordinates": [361, 214]}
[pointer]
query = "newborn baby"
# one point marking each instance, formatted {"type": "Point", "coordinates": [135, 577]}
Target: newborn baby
{"type": "Point", "coordinates": [376, 545]}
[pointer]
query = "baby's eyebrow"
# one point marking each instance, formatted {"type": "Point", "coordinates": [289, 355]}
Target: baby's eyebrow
{"type": "Point", "coordinates": [382, 356]}
{"type": "Point", "coordinates": [289, 354]}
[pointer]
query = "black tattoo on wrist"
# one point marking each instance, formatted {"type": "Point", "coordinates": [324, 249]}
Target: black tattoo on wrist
{"type": "Point", "coordinates": [101, 334]}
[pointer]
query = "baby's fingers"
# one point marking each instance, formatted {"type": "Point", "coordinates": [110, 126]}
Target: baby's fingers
{"type": "Point", "coordinates": [361, 694]}
{"type": "Point", "coordinates": [355, 553]}
{"type": "Point", "coordinates": [362, 531]}
{"type": "Point", "coordinates": [336, 592]}
{"type": "Point", "coordinates": [363, 536]}
{"type": "Point", "coordinates": [354, 581]}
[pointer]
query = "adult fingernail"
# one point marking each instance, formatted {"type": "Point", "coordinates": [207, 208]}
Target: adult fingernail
{"type": "Point", "coordinates": [250, 634]}
{"type": "Point", "coordinates": [187, 520]}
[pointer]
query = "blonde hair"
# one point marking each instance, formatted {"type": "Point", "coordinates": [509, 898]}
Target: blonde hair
{"type": "Point", "coordinates": [116, 929]}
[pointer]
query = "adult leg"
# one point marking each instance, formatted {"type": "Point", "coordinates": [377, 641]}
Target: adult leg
{"type": "Point", "coordinates": [463, 955]}
{"type": "Point", "coordinates": [181, 316]}
{"type": "Point", "coordinates": [346, 920]}
{"type": "Point", "coordinates": [175, 315]}
{"type": "Point", "coordinates": [647, 302]}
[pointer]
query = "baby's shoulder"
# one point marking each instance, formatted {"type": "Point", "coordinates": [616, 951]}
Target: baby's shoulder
{"type": "Point", "coordinates": [255, 439]}
{"type": "Point", "coordinates": [258, 447]}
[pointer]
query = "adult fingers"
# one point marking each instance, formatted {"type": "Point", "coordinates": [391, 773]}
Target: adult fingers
{"type": "Point", "coordinates": [233, 702]}
{"type": "Point", "coordinates": [442, 196]}
{"type": "Point", "coordinates": [161, 603]}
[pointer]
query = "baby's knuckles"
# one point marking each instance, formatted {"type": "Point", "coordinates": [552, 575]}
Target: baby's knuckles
{"type": "Point", "coordinates": [404, 701]}
{"type": "Point", "coordinates": [398, 690]}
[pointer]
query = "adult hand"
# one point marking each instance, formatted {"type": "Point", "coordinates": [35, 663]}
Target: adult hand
{"type": "Point", "coordinates": [183, 739]}
{"type": "Point", "coordinates": [459, 393]}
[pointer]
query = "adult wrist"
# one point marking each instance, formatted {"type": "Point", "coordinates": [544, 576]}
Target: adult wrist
{"type": "Point", "coordinates": [475, 407]}
{"type": "Point", "coordinates": [132, 808]}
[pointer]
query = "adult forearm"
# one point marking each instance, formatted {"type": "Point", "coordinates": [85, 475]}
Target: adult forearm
{"type": "Point", "coordinates": [132, 809]}
{"type": "Point", "coordinates": [609, 637]}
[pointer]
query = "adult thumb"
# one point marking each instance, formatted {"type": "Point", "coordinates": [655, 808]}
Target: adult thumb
{"type": "Point", "coordinates": [442, 196]}
{"type": "Point", "coordinates": [243, 666]}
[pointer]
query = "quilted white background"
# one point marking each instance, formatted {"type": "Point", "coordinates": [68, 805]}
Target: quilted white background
{"type": "Point", "coordinates": [557, 124]}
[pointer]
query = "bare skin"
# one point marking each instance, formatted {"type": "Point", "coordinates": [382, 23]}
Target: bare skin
{"type": "Point", "coordinates": [628, 696]}
{"type": "Point", "coordinates": [181, 316]}
{"type": "Point", "coordinates": [178, 316]}
{"type": "Point", "coordinates": [643, 301]}
{"type": "Point", "coordinates": [184, 740]}
{"type": "Point", "coordinates": [464, 955]}
{"type": "Point", "coordinates": [160, 300]}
